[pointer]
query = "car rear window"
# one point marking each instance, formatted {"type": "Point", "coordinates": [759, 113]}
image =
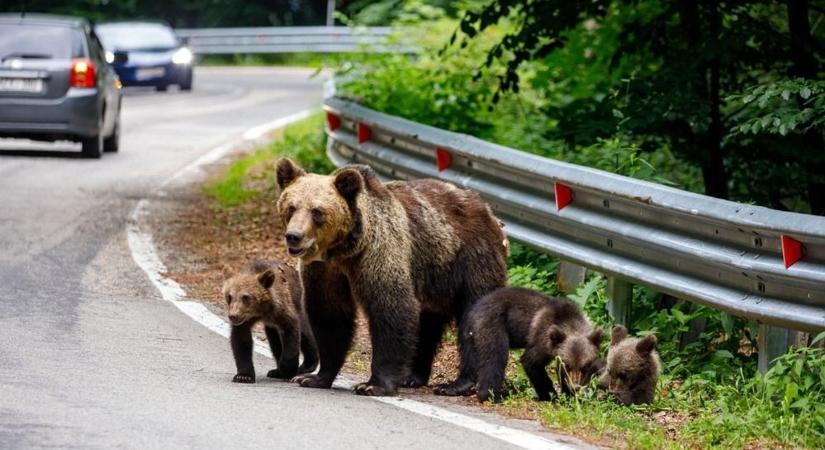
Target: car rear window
{"type": "Point", "coordinates": [136, 36]}
{"type": "Point", "coordinates": [39, 41]}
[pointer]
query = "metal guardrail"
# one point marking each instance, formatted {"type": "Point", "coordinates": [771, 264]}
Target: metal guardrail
{"type": "Point", "coordinates": [290, 40]}
{"type": "Point", "coordinates": [723, 254]}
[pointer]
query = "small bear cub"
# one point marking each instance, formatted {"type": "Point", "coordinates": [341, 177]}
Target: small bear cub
{"type": "Point", "coordinates": [269, 292]}
{"type": "Point", "coordinates": [546, 327]}
{"type": "Point", "coordinates": [633, 368]}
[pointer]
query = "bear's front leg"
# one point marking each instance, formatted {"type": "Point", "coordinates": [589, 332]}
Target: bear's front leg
{"type": "Point", "coordinates": [393, 314]}
{"type": "Point", "coordinates": [331, 312]}
{"type": "Point", "coordinates": [241, 340]}
{"type": "Point", "coordinates": [290, 338]}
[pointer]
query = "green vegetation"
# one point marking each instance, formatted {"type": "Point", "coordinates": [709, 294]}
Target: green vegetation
{"type": "Point", "coordinates": [710, 394]}
{"type": "Point", "coordinates": [253, 175]}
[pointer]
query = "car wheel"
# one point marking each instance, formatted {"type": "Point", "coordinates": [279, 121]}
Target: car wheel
{"type": "Point", "coordinates": [112, 143]}
{"type": "Point", "coordinates": [161, 88]}
{"type": "Point", "coordinates": [186, 85]}
{"type": "Point", "coordinates": [92, 147]}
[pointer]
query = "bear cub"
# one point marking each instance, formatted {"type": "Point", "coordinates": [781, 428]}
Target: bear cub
{"type": "Point", "coordinates": [633, 368]}
{"type": "Point", "coordinates": [546, 327]}
{"type": "Point", "coordinates": [269, 292]}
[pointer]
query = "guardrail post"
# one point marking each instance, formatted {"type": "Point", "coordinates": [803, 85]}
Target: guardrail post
{"type": "Point", "coordinates": [570, 276]}
{"type": "Point", "coordinates": [620, 297]}
{"type": "Point", "coordinates": [773, 342]}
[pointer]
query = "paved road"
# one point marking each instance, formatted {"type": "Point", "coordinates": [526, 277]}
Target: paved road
{"type": "Point", "coordinates": [90, 356]}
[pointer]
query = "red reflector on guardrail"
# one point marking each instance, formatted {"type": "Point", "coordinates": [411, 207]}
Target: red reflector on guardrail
{"type": "Point", "coordinates": [443, 159]}
{"type": "Point", "coordinates": [564, 195]}
{"type": "Point", "coordinates": [333, 121]}
{"type": "Point", "coordinates": [363, 133]}
{"type": "Point", "coordinates": [791, 250]}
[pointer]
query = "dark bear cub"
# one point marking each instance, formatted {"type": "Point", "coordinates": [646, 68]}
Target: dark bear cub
{"type": "Point", "coordinates": [546, 327]}
{"type": "Point", "coordinates": [633, 368]}
{"type": "Point", "coordinates": [269, 292]}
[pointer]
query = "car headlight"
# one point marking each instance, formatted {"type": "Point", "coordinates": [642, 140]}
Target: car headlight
{"type": "Point", "coordinates": [110, 57]}
{"type": "Point", "coordinates": [182, 56]}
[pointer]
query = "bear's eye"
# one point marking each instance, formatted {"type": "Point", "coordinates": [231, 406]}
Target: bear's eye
{"type": "Point", "coordinates": [317, 216]}
{"type": "Point", "coordinates": [290, 211]}
{"type": "Point", "coordinates": [228, 298]}
{"type": "Point", "coordinates": [246, 299]}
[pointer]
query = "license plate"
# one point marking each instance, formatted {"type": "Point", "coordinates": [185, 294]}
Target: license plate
{"type": "Point", "coordinates": [145, 74]}
{"type": "Point", "coordinates": [21, 85]}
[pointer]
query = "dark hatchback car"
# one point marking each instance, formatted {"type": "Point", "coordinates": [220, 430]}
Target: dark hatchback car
{"type": "Point", "coordinates": [147, 54]}
{"type": "Point", "coordinates": [55, 83]}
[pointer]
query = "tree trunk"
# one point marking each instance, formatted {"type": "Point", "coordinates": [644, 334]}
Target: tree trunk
{"type": "Point", "coordinates": [805, 66]}
{"type": "Point", "coordinates": [717, 185]}
{"type": "Point", "coordinates": [707, 88]}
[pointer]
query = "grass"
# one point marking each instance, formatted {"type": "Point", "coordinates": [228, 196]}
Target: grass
{"type": "Point", "coordinates": [710, 395]}
{"type": "Point", "coordinates": [252, 175]}
{"type": "Point", "coordinates": [279, 59]}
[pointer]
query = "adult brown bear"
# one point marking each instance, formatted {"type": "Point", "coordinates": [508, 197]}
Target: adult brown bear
{"type": "Point", "coordinates": [413, 255]}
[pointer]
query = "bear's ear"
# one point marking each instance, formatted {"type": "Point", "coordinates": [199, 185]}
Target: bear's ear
{"type": "Point", "coordinates": [266, 278]}
{"type": "Point", "coordinates": [596, 336]}
{"type": "Point", "coordinates": [618, 335]}
{"type": "Point", "coordinates": [646, 345]}
{"type": "Point", "coordinates": [348, 182]}
{"type": "Point", "coordinates": [287, 171]}
{"type": "Point", "coordinates": [557, 336]}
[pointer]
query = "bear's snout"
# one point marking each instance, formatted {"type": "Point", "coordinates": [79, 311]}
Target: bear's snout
{"type": "Point", "coordinates": [293, 239]}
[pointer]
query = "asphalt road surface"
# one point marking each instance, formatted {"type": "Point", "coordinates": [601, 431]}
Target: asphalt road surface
{"type": "Point", "coordinates": [92, 357]}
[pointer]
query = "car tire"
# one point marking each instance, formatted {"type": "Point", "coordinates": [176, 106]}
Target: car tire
{"type": "Point", "coordinates": [112, 143]}
{"type": "Point", "coordinates": [161, 88]}
{"type": "Point", "coordinates": [186, 85]}
{"type": "Point", "coordinates": [92, 147]}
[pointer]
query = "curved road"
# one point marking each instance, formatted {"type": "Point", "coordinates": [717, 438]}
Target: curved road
{"type": "Point", "coordinates": [91, 357]}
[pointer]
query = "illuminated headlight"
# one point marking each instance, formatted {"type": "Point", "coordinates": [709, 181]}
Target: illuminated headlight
{"type": "Point", "coordinates": [182, 56]}
{"type": "Point", "coordinates": [110, 57]}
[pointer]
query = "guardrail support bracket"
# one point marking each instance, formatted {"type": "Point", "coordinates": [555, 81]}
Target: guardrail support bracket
{"type": "Point", "coordinates": [619, 300]}
{"type": "Point", "coordinates": [570, 276]}
{"type": "Point", "coordinates": [773, 342]}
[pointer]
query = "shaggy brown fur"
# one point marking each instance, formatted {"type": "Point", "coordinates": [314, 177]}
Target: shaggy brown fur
{"type": "Point", "coordinates": [414, 255]}
{"type": "Point", "coordinates": [269, 292]}
{"type": "Point", "coordinates": [545, 327]}
{"type": "Point", "coordinates": [633, 368]}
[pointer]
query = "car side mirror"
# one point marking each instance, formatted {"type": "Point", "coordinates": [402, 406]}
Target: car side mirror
{"type": "Point", "coordinates": [120, 57]}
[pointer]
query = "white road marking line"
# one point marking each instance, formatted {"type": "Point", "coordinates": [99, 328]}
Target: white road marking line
{"type": "Point", "coordinates": [146, 257]}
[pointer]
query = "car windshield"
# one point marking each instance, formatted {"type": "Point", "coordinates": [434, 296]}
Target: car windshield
{"type": "Point", "coordinates": [29, 41]}
{"type": "Point", "coordinates": [136, 36]}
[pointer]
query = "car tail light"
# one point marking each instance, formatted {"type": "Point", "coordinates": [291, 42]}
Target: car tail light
{"type": "Point", "coordinates": [82, 74]}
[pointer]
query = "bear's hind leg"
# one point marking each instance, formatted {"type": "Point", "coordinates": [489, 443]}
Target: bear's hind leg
{"type": "Point", "coordinates": [275, 346]}
{"type": "Point", "coordinates": [431, 329]}
{"type": "Point", "coordinates": [309, 349]}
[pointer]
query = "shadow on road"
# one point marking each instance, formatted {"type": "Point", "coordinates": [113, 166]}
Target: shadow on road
{"type": "Point", "coordinates": [41, 153]}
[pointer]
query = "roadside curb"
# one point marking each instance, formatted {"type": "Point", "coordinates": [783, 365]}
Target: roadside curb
{"type": "Point", "coordinates": [145, 255]}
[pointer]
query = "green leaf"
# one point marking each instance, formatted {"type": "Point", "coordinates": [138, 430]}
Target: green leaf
{"type": "Point", "coordinates": [786, 94]}
{"type": "Point", "coordinates": [818, 338]}
{"type": "Point", "coordinates": [805, 92]}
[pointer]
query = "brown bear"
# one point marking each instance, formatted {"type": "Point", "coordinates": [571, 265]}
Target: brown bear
{"type": "Point", "coordinates": [545, 327]}
{"type": "Point", "coordinates": [414, 255]}
{"type": "Point", "coordinates": [632, 369]}
{"type": "Point", "coordinates": [269, 292]}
